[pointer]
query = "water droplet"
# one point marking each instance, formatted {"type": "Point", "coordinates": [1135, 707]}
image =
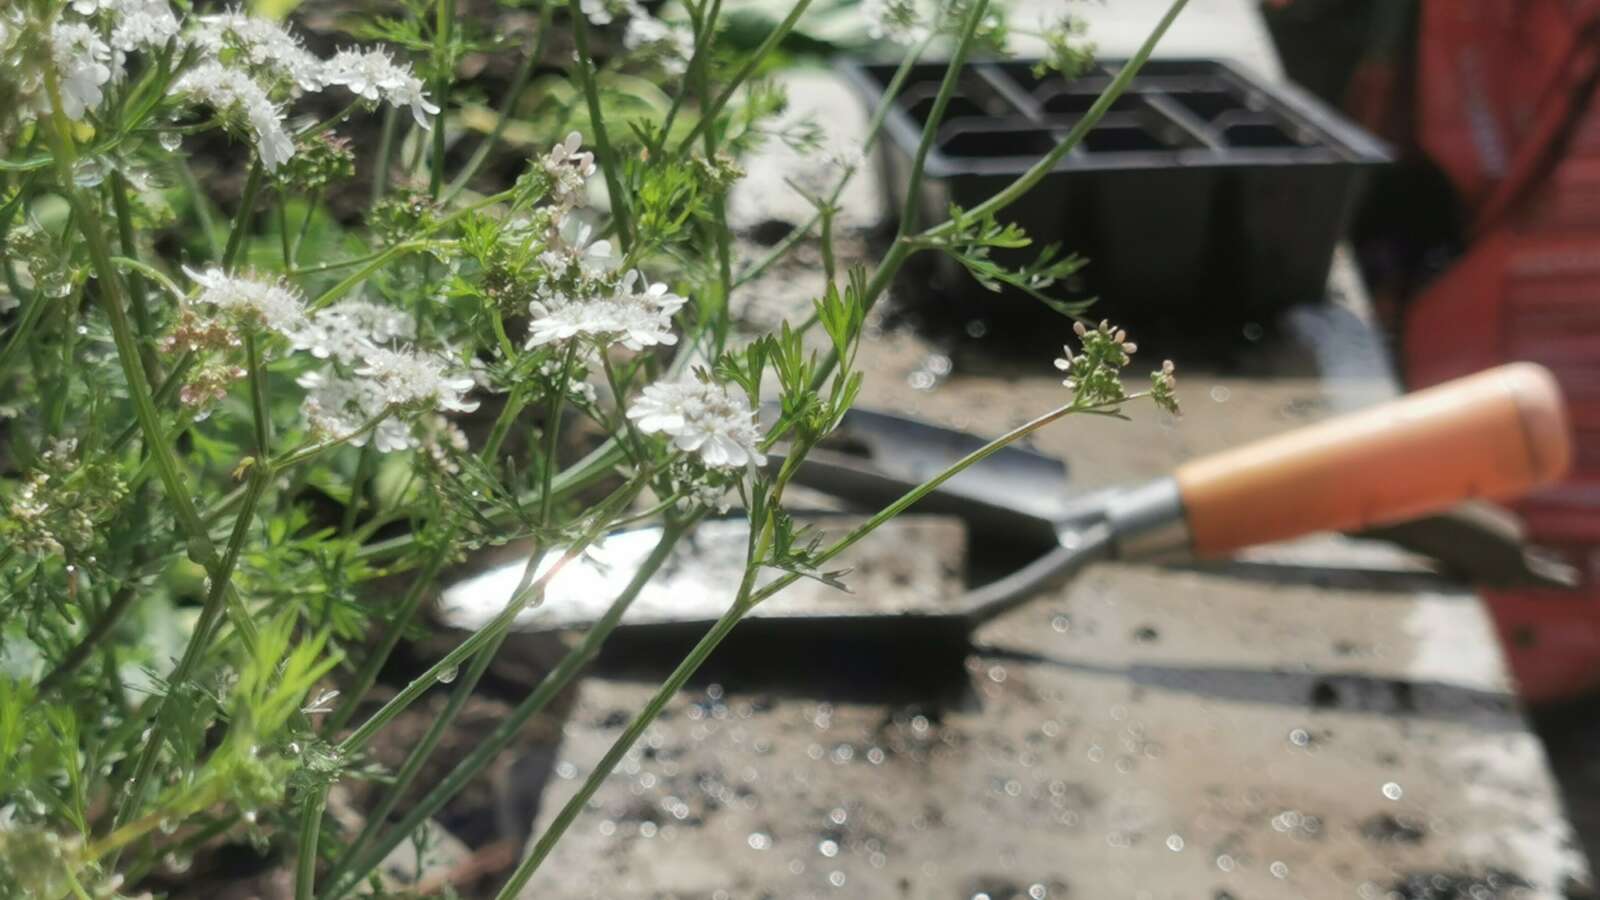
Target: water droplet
{"type": "Point", "coordinates": [89, 172]}
{"type": "Point", "coordinates": [1393, 791]}
{"type": "Point", "coordinates": [1061, 624]}
{"type": "Point", "coordinates": [828, 848]}
{"type": "Point", "coordinates": [607, 828]}
{"type": "Point", "coordinates": [997, 674]}
{"type": "Point", "coordinates": [1038, 892]}
{"type": "Point", "coordinates": [1225, 863]}
{"type": "Point", "coordinates": [177, 864]}
{"type": "Point", "coordinates": [878, 859]}
{"type": "Point", "coordinates": [838, 815]}
{"type": "Point", "coordinates": [836, 878]}
{"type": "Point", "coordinates": [1279, 869]}
{"type": "Point", "coordinates": [169, 826]}
{"type": "Point", "coordinates": [250, 816]}
{"type": "Point", "coordinates": [449, 675]}
{"type": "Point", "coordinates": [1175, 842]}
{"type": "Point", "coordinates": [647, 829]}
{"type": "Point", "coordinates": [1253, 331]}
{"type": "Point", "coordinates": [977, 328]}
{"type": "Point", "coordinates": [1300, 737]}
{"type": "Point", "coordinates": [1096, 753]}
{"type": "Point", "coordinates": [566, 770]}
{"type": "Point", "coordinates": [758, 841]}
{"type": "Point", "coordinates": [875, 756]}
{"type": "Point", "coordinates": [921, 380]}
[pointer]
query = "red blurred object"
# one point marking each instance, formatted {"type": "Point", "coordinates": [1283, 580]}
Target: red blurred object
{"type": "Point", "coordinates": [1506, 106]}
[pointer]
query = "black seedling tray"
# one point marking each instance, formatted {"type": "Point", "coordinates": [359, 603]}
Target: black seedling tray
{"type": "Point", "coordinates": [1201, 191]}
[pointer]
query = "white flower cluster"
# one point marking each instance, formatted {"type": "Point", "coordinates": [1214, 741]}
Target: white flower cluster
{"type": "Point", "coordinates": [373, 75]}
{"type": "Point", "coordinates": [670, 44]}
{"type": "Point", "coordinates": [248, 66]}
{"type": "Point", "coordinates": [704, 418]}
{"type": "Point", "coordinates": [386, 382]}
{"type": "Point", "coordinates": [636, 314]}
{"type": "Point", "coordinates": [258, 304]}
{"type": "Point", "coordinates": [230, 90]}
{"type": "Point", "coordinates": [569, 169]}
{"type": "Point", "coordinates": [898, 21]}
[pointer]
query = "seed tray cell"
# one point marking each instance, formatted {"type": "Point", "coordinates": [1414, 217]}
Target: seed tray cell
{"type": "Point", "coordinates": [1201, 186]}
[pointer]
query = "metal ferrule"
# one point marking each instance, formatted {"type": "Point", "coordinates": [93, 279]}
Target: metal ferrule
{"type": "Point", "coordinates": [1148, 522]}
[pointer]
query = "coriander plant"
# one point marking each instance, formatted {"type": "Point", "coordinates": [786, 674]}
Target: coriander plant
{"type": "Point", "coordinates": [279, 322]}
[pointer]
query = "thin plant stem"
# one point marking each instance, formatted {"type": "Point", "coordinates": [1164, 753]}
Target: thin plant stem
{"type": "Point", "coordinates": [868, 141]}
{"type": "Point", "coordinates": [312, 200]}
{"type": "Point", "coordinates": [201, 203]}
{"type": "Point", "coordinates": [599, 520]}
{"type": "Point", "coordinates": [602, 142]}
{"type": "Point", "coordinates": [136, 293]}
{"type": "Point", "coordinates": [1047, 163]}
{"type": "Point", "coordinates": [444, 59]}
{"type": "Point", "coordinates": [354, 868]}
{"type": "Point", "coordinates": [305, 879]}
{"type": "Point", "coordinates": [241, 220]}
{"type": "Point", "coordinates": [519, 83]}
{"type": "Point", "coordinates": [384, 159]}
{"type": "Point", "coordinates": [947, 87]}
{"type": "Point", "coordinates": [759, 55]}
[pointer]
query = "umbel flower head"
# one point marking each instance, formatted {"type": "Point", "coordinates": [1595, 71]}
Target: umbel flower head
{"type": "Point", "coordinates": [231, 91]}
{"type": "Point", "coordinates": [373, 75]}
{"type": "Point", "coordinates": [253, 303]}
{"type": "Point", "coordinates": [704, 418]}
{"type": "Point", "coordinates": [637, 314]}
{"type": "Point", "coordinates": [568, 170]}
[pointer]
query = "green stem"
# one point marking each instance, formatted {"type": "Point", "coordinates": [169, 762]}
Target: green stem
{"type": "Point", "coordinates": [305, 881]}
{"type": "Point", "coordinates": [602, 143]}
{"type": "Point", "coordinates": [350, 874]}
{"type": "Point", "coordinates": [599, 521]}
{"type": "Point", "coordinates": [312, 200]}
{"type": "Point", "coordinates": [508, 108]}
{"type": "Point", "coordinates": [1025, 182]}
{"type": "Point", "coordinates": [358, 485]}
{"type": "Point", "coordinates": [259, 409]}
{"type": "Point", "coordinates": [444, 19]}
{"type": "Point", "coordinates": [624, 743]}
{"type": "Point", "coordinates": [201, 203]}
{"type": "Point", "coordinates": [136, 294]}
{"type": "Point", "coordinates": [947, 87]}
{"type": "Point", "coordinates": [210, 613]}
{"type": "Point", "coordinates": [757, 57]}
{"type": "Point", "coordinates": [381, 166]}
{"type": "Point", "coordinates": [241, 220]}
{"type": "Point", "coordinates": [120, 603]}
{"type": "Point", "coordinates": [869, 140]}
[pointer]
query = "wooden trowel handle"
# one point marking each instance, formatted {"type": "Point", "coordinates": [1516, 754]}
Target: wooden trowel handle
{"type": "Point", "coordinates": [1493, 435]}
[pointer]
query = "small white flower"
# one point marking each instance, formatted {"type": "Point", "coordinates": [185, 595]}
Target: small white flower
{"type": "Point", "coordinates": [83, 60]}
{"type": "Point", "coordinates": [141, 24]}
{"type": "Point", "coordinates": [351, 328]}
{"type": "Point", "coordinates": [411, 380]}
{"type": "Point", "coordinates": [336, 408]}
{"type": "Point", "coordinates": [231, 91]}
{"type": "Point", "coordinates": [263, 45]}
{"type": "Point", "coordinates": [702, 418]}
{"type": "Point", "coordinates": [671, 45]}
{"type": "Point", "coordinates": [604, 12]}
{"type": "Point", "coordinates": [898, 21]}
{"type": "Point", "coordinates": [571, 245]}
{"type": "Point", "coordinates": [263, 304]}
{"type": "Point", "coordinates": [373, 75]}
{"type": "Point", "coordinates": [569, 171]}
{"type": "Point", "coordinates": [636, 315]}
